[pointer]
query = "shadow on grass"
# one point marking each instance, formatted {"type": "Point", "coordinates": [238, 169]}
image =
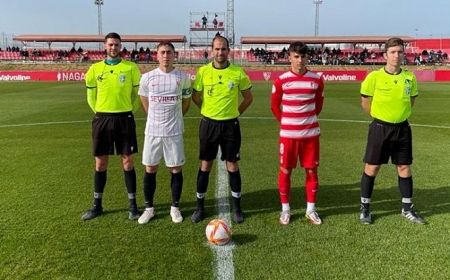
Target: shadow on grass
{"type": "Point", "coordinates": [345, 199]}
{"type": "Point", "coordinates": [332, 200]}
{"type": "Point", "coordinates": [242, 239]}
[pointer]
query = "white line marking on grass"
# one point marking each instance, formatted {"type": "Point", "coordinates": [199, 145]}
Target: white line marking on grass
{"type": "Point", "coordinates": [40, 123]}
{"type": "Point", "coordinates": [248, 118]}
{"type": "Point", "coordinates": [223, 261]}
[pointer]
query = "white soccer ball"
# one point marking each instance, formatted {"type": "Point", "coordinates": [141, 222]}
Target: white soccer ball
{"type": "Point", "coordinates": [218, 232]}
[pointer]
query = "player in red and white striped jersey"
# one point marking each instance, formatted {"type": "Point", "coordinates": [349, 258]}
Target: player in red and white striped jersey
{"type": "Point", "coordinates": [165, 94]}
{"type": "Point", "coordinates": [296, 101]}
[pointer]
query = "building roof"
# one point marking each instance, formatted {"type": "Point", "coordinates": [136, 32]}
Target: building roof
{"type": "Point", "coordinates": [97, 38]}
{"type": "Point", "coordinates": [322, 39]}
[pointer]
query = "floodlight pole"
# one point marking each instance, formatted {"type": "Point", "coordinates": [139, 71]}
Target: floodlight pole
{"type": "Point", "coordinates": [415, 42]}
{"type": "Point", "coordinates": [229, 32]}
{"type": "Point", "coordinates": [99, 3]}
{"type": "Point", "coordinates": [316, 30]}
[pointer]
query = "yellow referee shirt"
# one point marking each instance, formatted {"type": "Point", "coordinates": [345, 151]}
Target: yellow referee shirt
{"type": "Point", "coordinates": [391, 94]}
{"type": "Point", "coordinates": [221, 89]}
{"type": "Point", "coordinates": [115, 84]}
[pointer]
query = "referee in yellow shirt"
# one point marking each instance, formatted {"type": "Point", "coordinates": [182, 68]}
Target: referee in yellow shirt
{"type": "Point", "coordinates": [388, 95]}
{"type": "Point", "coordinates": [112, 86]}
{"type": "Point", "coordinates": [216, 92]}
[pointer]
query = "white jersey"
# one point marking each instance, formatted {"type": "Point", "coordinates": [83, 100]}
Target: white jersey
{"type": "Point", "coordinates": [165, 92]}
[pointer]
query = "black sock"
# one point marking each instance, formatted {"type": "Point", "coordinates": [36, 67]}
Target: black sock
{"type": "Point", "coordinates": [236, 203]}
{"type": "Point", "coordinates": [367, 183]}
{"type": "Point", "coordinates": [130, 183]}
{"type": "Point", "coordinates": [176, 184]}
{"type": "Point", "coordinates": [99, 186]}
{"type": "Point", "coordinates": [202, 186]}
{"type": "Point", "coordinates": [200, 203]}
{"type": "Point", "coordinates": [235, 181]}
{"type": "Point", "coordinates": [406, 190]}
{"type": "Point", "coordinates": [202, 181]}
{"type": "Point", "coordinates": [149, 188]}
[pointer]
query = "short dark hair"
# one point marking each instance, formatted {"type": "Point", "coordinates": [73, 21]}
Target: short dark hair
{"type": "Point", "coordinates": [113, 35]}
{"type": "Point", "coordinates": [165, 43]}
{"type": "Point", "coordinates": [393, 42]}
{"type": "Point", "coordinates": [219, 37]}
{"type": "Point", "coordinates": [298, 47]}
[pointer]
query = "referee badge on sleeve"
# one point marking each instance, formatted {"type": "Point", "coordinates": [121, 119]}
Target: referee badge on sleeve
{"type": "Point", "coordinates": [407, 90]}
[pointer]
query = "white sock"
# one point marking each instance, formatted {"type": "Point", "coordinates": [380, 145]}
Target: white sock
{"type": "Point", "coordinates": [310, 207]}
{"type": "Point", "coordinates": [285, 207]}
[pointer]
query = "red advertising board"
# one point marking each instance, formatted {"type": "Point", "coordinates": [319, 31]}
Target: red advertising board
{"type": "Point", "coordinates": [328, 75]}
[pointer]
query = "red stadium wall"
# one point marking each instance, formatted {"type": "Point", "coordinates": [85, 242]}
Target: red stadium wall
{"type": "Point", "coordinates": [328, 75]}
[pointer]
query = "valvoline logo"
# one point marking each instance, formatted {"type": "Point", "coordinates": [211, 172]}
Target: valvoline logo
{"type": "Point", "coordinates": [338, 77]}
{"type": "Point", "coordinates": [18, 77]}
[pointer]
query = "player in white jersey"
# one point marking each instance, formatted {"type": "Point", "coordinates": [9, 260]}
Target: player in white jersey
{"type": "Point", "coordinates": [165, 94]}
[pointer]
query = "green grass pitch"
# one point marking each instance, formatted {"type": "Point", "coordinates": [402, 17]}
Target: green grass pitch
{"type": "Point", "coordinates": [47, 176]}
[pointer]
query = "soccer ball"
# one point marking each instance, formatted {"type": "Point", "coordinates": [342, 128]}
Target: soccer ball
{"type": "Point", "coordinates": [218, 232]}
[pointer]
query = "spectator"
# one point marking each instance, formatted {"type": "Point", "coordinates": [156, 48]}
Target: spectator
{"type": "Point", "coordinates": [204, 21]}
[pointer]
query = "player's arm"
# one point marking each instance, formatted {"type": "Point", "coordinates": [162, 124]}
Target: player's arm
{"type": "Point", "coordinates": [144, 102]}
{"type": "Point", "coordinates": [366, 103]}
{"type": "Point", "coordinates": [197, 90]}
{"type": "Point", "coordinates": [91, 88]}
{"type": "Point", "coordinates": [136, 74]}
{"type": "Point", "coordinates": [275, 99]}
{"type": "Point", "coordinates": [196, 98]}
{"type": "Point", "coordinates": [414, 91]}
{"type": "Point", "coordinates": [136, 99]}
{"type": "Point", "coordinates": [248, 99]}
{"type": "Point", "coordinates": [413, 100]}
{"type": "Point", "coordinates": [186, 96]}
{"type": "Point", "coordinates": [319, 97]}
{"type": "Point", "coordinates": [367, 92]}
{"type": "Point", "coordinates": [143, 93]}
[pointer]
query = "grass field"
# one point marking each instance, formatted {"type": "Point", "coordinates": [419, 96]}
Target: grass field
{"type": "Point", "coordinates": [47, 176]}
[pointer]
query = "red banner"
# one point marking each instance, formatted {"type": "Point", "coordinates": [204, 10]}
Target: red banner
{"type": "Point", "coordinates": [328, 75]}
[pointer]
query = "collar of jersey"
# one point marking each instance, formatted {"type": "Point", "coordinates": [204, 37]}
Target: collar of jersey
{"type": "Point", "coordinates": [228, 65]}
{"type": "Point", "coordinates": [113, 61]}
{"type": "Point", "coordinates": [385, 71]}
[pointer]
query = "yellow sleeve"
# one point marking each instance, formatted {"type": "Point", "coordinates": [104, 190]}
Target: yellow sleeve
{"type": "Point", "coordinates": [245, 82]}
{"type": "Point", "coordinates": [414, 88]}
{"type": "Point", "coordinates": [198, 82]}
{"type": "Point", "coordinates": [91, 86]}
{"type": "Point", "coordinates": [136, 76]}
{"type": "Point", "coordinates": [368, 85]}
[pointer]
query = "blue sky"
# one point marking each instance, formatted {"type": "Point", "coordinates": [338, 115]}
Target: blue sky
{"type": "Point", "coordinates": [252, 17]}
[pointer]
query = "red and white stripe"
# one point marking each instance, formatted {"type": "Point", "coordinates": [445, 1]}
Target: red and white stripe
{"type": "Point", "coordinates": [300, 98]}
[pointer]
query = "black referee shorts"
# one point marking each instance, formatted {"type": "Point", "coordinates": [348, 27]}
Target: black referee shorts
{"type": "Point", "coordinates": [387, 140]}
{"type": "Point", "coordinates": [114, 130]}
{"type": "Point", "coordinates": [224, 134]}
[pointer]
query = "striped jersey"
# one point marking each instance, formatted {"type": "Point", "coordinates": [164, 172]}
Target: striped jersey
{"type": "Point", "coordinates": [165, 92]}
{"type": "Point", "coordinates": [296, 101]}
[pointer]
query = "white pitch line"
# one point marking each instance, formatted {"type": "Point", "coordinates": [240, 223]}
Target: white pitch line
{"type": "Point", "coordinates": [248, 118]}
{"type": "Point", "coordinates": [223, 255]}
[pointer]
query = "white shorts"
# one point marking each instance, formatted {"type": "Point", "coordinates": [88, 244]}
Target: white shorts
{"type": "Point", "coordinates": [172, 148]}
